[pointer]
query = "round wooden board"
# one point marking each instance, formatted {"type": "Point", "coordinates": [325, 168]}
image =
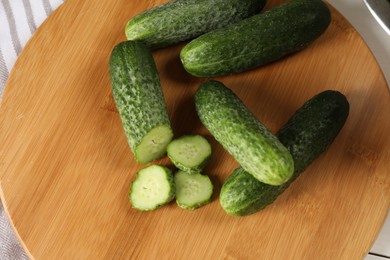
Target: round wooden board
{"type": "Point", "coordinates": [66, 168]}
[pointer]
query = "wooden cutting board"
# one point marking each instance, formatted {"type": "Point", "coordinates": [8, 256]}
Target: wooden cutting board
{"type": "Point", "coordinates": [66, 168]}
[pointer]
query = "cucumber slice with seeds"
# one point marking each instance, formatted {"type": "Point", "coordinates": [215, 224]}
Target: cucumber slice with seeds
{"type": "Point", "coordinates": [192, 190]}
{"type": "Point", "coordinates": [189, 153]}
{"type": "Point", "coordinates": [152, 188]}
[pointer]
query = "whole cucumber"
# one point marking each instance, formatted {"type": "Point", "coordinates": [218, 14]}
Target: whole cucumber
{"type": "Point", "coordinates": [254, 147]}
{"type": "Point", "coordinates": [306, 135]}
{"type": "Point", "coordinates": [180, 20]}
{"type": "Point", "coordinates": [257, 40]}
{"type": "Point", "coordinates": [139, 99]}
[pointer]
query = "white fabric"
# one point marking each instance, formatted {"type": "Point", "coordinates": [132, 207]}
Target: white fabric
{"type": "Point", "coordinates": [18, 21]}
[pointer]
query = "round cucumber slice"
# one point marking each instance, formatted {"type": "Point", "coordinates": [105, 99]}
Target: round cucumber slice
{"type": "Point", "coordinates": [152, 188]}
{"type": "Point", "coordinates": [189, 153]}
{"type": "Point", "coordinates": [192, 190]}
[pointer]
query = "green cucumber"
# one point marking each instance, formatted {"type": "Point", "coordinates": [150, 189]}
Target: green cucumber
{"type": "Point", "coordinates": [189, 153]}
{"type": "Point", "coordinates": [139, 99]}
{"type": "Point", "coordinates": [192, 190]}
{"type": "Point", "coordinates": [180, 20]}
{"type": "Point", "coordinates": [253, 146]}
{"type": "Point", "coordinates": [257, 40]}
{"type": "Point", "coordinates": [308, 133]}
{"type": "Point", "coordinates": [152, 188]}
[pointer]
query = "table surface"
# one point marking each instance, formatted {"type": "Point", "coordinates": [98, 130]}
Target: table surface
{"type": "Point", "coordinates": [376, 38]}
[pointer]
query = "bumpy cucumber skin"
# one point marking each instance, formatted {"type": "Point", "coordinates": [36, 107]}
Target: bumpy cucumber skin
{"type": "Point", "coordinates": [253, 146]}
{"type": "Point", "coordinates": [191, 170]}
{"type": "Point", "coordinates": [308, 133]}
{"type": "Point", "coordinates": [194, 169]}
{"type": "Point", "coordinates": [137, 92]}
{"type": "Point", "coordinates": [257, 40]}
{"type": "Point", "coordinates": [180, 20]}
{"type": "Point", "coordinates": [170, 180]}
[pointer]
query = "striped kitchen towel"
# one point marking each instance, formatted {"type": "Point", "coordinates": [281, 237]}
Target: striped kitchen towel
{"type": "Point", "coordinates": [18, 21]}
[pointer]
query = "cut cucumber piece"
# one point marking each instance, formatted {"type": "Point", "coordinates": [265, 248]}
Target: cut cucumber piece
{"type": "Point", "coordinates": [192, 190]}
{"type": "Point", "coordinates": [189, 153]}
{"type": "Point", "coordinates": [139, 99]}
{"type": "Point", "coordinates": [152, 188]}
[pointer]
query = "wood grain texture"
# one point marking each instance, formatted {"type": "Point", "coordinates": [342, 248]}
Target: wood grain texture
{"type": "Point", "coordinates": [66, 168]}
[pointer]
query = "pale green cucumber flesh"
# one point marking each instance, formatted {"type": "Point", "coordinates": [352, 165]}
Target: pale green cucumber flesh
{"type": "Point", "coordinates": [177, 21]}
{"type": "Point", "coordinates": [189, 153]}
{"type": "Point", "coordinates": [253, 146]}
{"type": "Point", "coordinates": [153, 187]}
{"type": "Point", "coordinates": [192, 190]}
{"type": "Point", "coordinates": [154, 144]}
{"type": "Point", "coordinates": [257, 40]}
{"type": "Point", "coordinates": [307, 134]}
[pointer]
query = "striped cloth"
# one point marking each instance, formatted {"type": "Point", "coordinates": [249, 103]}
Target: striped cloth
{"type": "Point", "coordinates": [18, 21]}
